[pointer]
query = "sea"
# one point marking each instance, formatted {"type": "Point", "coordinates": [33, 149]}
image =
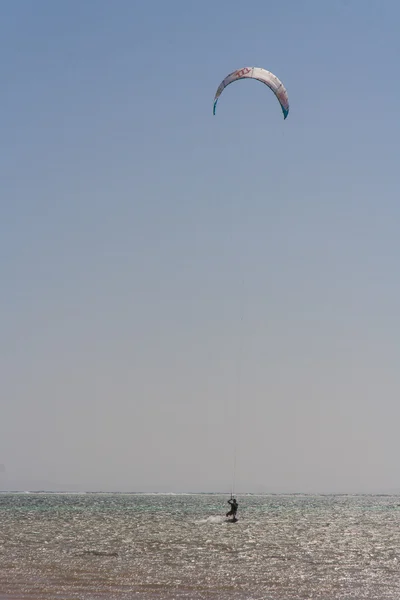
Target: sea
{"type": "Point", "coordinates": [100, 546]}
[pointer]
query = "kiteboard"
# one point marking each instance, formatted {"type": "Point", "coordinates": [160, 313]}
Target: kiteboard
{"type": "Point", "coordinates": [233, 520]}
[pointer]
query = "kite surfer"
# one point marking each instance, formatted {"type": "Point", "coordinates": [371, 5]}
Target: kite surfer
{"type": "Point", "coordinates": [233, 510]}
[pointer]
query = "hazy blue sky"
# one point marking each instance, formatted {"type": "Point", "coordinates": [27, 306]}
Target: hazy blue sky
{"type": "Point", "coordinates": [134, 224]}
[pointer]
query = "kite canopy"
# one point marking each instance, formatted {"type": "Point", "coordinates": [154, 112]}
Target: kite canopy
{"type": "Point", "coordinates": [262, 75]}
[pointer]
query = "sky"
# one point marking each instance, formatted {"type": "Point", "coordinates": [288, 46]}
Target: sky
{"type": "Point", "coordinates": [178, 288]}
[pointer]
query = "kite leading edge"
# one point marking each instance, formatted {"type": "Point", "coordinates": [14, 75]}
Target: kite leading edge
{"type": "Point", "coordinates": [266, 77]}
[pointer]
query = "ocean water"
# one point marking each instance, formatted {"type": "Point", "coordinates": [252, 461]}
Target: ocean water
{"type": "Point", "coordinates": [125, 546]}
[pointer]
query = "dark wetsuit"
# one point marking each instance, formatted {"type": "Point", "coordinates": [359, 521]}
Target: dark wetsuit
{"type": "Point", "coordinates": [234, 507]}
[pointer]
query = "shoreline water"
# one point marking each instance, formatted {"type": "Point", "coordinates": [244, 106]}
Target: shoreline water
{"type": "Point", "coordinates": [170, 547]}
